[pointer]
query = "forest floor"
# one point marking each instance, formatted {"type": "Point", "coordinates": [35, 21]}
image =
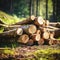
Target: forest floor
{"type": "Point", "coordinates": [35, 52]}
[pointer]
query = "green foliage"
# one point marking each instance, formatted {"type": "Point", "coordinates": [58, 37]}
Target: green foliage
{"type": "Point", "coordinates": [8, 19]}
{"type": "Point", "coordinates": [21, 8]}
{"type": "Point", "coordinates": [1, 29]}
{"type": "Point", "coordinates": [45, 54]}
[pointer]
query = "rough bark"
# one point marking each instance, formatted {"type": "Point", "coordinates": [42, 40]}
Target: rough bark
{"type": "Point", "coordinates": [27, 21]}
{"type": "Point", "coordinates": [30, 42]}
{"type": "Point", "coordinates": [29, 29]}
{"type": "Point", "coordinates": [39, 21]}
{"type": "Point", "coordinates": [41, 41]}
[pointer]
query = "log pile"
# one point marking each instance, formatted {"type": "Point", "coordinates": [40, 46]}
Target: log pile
{"type": "Point", "coordinates": [34, 29]}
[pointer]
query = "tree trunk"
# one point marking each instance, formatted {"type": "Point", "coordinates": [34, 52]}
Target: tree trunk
{"type": "Point", "coordinates": [46, 35]}
{"type": "Point", "coordinates": [27, 21]}
{"type": "Point", "coordinates": [36, 37]}
{"type": "Point", "coordinates": [41, 42]}
{"type": "Point", "coordinates": [39, 21]}
{"type": "Point", "coordinates": [29, 29]}
{"type": "Point", "coordinates": [30, 42]}
{"type": "Point", "coordinates": [23, 38]}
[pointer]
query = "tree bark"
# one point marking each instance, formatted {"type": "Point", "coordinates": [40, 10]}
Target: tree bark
{"type": "Point", "coordinates": [36, 37]}
{"type": "Point", "coordinates": [27, 21]}
{"type": "Point", "coordinates": [30, 42]}
{"type": "Point", "coordinates": [39, 21]}
{"type": "Point", "coordinates": [41, 42]}
{"type": "Point", "coordinates": [29, 29]}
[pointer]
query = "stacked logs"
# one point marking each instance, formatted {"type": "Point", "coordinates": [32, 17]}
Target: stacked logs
{"type": "Point", "coordinates": [34, 30]}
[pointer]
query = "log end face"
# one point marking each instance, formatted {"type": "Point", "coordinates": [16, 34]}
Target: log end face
{"type": "Point", "coordinates": [19, 31]}
{"type": "Point", "coordinates": [32, 29]}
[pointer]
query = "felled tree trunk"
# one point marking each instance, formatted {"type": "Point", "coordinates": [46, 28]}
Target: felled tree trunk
{"type": "Point", "coordinates": [29, 29]}
{"type": "Point", "coordinates": [23, 38]}
{"type": "Point", "coordinates": [27, 21]}
{"type": "Point", "coordinates": [46, 35]}
{"type": "Point", "coordinates": [39, 21]}
{"type": "Point", "coordinates": [12, 33]}
{"type": "Point", "coordinates": [30, 42]}
{"type": "Point", "coordinates": [52, 42]}
{"type": "Point", "coordinates": [36, 37]}
{"type": "Point", "coordinates": [41, 41]}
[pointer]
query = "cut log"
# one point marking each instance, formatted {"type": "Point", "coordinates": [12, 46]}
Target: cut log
{"type": "Point", "coordinates": [19, 31]}
{"type": "Point", "coordinates": [46, 35]}
{"type": "Point", "coordinates": [58, 41]}
{"type": "Point", "coordinates": [43, 29]}
{"type": "Point", "coordinates": [38, 32]}
{"type": "Point", "coordinates": [23, 38]}
{"type": "Point", "coordinates": [12, 33]}
{"type": "Point", "coordinates": [39, 21]}
{"type": "Point", "coordinates": [27, 21]}
{"type": "Point", "coordinates": [29, 29]}
{"type": "Point", "coordinates": [41, 42]}
{"type": "Point", "coordinates": [8, 33]}
{"type": "Point", "coordinates": [46, 23]}
{"type": "Point", "coordinates": [55, 24]}
{"type": "Point", "coordinates": [30, 42]}
{"type": "Point", "coordinates": [52, 42]}
{"type": "Point", "coordinates": [58, 24]}
{"type": "Point", "coordinates": [57, 33]}
{"type": "Point", "coordinates": [36, 37]}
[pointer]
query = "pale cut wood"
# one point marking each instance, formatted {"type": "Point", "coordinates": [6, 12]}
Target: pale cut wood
{"type": "Point", "coordinates": [38, 32]}
{"type": "Point", "coordinates": [29, 29]}
{"type": "Point", "coordinates": [52, 35]}
{"type": "Point", "coordinates": [36, 37]}
{"type": "Point", "coordinates": [46, 22]}
{"type": "Point", "coordinates": [30, 42]}
{"type": "Point", "coordinates": [23, 38]}
{"type": "Point", "coordinates": [46, 35]}
{"type": "Point", "coordinates": [19, 31]}
{"type": "Point", "coordinates": [41, 41]}
{"type": "Point", "coordinates": [52, 42]}
{"type": "Point", "coordinates": [39, 21]}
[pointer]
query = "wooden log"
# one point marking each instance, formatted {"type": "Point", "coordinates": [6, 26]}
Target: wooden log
{"type": "Point", "coordinates": [52, 35]}
{"type": "Point", "coordinates": [54, 24]}
{"type": "Point", "coordinates": [30, 42]}
{"type": "Point", "coordinates": [38, 32]}
{"type": "Point", "coordinates": [57, 33]}
{"type": "Point", "coordinates": [58, 24]}
{"type": "Point", "coordinates": [36, 37]}
{"type": "Point", "coordinates": [46, 23]}
{"type": "Point", "coordinates": [41, 41]}
{"type": "Point", "coordinates": [12, 33]}
{"type": "Point", "coordinates": [46, 35]}
{"type": "Point", "coordinates": [52, 42]}
{"type": "Point", "coordinates": [43, 29]}
{"type": "Point", "coordinates": [23, 38]}
{"type": "Point", "coordinates": [58, 41]}
{"type": "Point", "coordinates": [39, 21]}
{"type": "Point", "coordinates": [8, 33]}
{"type": "Point", "coordinates": [19, 31]}
{"type": "Point", "coordinates": [29, 29]}
{"type": "Point", "coordinates": [26, 21]}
